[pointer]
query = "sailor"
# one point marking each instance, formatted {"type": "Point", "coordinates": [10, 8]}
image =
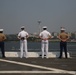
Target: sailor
{"type": "Point", "coordinates": [22, 36]}
{"type": "Point", "coordinates": [45, 35]}
{"type": "Point", "coordinates": [2, 38]}
{"type": "Point", "coordinates": [63, 36]}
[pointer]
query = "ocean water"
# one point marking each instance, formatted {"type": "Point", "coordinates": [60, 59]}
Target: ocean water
{"type": "Point", "coordinates": [36, 46]}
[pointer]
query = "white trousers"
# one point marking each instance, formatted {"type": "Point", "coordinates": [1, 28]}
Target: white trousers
{"type": "Point", "coordinates": [23, 46]}
{"type": "Point", "coordinates": [44, 48]}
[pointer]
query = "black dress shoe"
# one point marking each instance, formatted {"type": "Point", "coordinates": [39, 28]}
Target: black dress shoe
{"type": "Point", "coordinates": [59, 57]}
{"type": "Point", "coordinates": [3, 57]}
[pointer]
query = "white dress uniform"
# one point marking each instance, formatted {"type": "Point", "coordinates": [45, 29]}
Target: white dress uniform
{"type": "Point", "coordinates": [45, 35]}
{"type": "Point", "coordinates": [23, 42]}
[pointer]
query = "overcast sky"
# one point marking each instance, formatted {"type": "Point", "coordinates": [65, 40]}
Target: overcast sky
{"type": "Point", "coordinates": [52, 13]}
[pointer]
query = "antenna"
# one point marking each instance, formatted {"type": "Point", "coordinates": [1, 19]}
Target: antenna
{"type": "Point", "coordinates": [39, 25]}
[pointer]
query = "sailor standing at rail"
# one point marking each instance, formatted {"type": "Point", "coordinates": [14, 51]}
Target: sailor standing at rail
{"type": "Point", "coordinates": [23, 35]}
{"type": "Point", "coordinates": [45, 35]}
{"type": "Point", "coordinates": [2, 38]}
{"type": "Point", "coordinates": [63, 36]}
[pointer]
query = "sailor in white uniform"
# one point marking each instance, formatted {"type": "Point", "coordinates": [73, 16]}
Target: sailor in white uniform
{"type": "Point", "coordinates": [45, 35]}
{"type": "Point", "coordinates": [23, 35]}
